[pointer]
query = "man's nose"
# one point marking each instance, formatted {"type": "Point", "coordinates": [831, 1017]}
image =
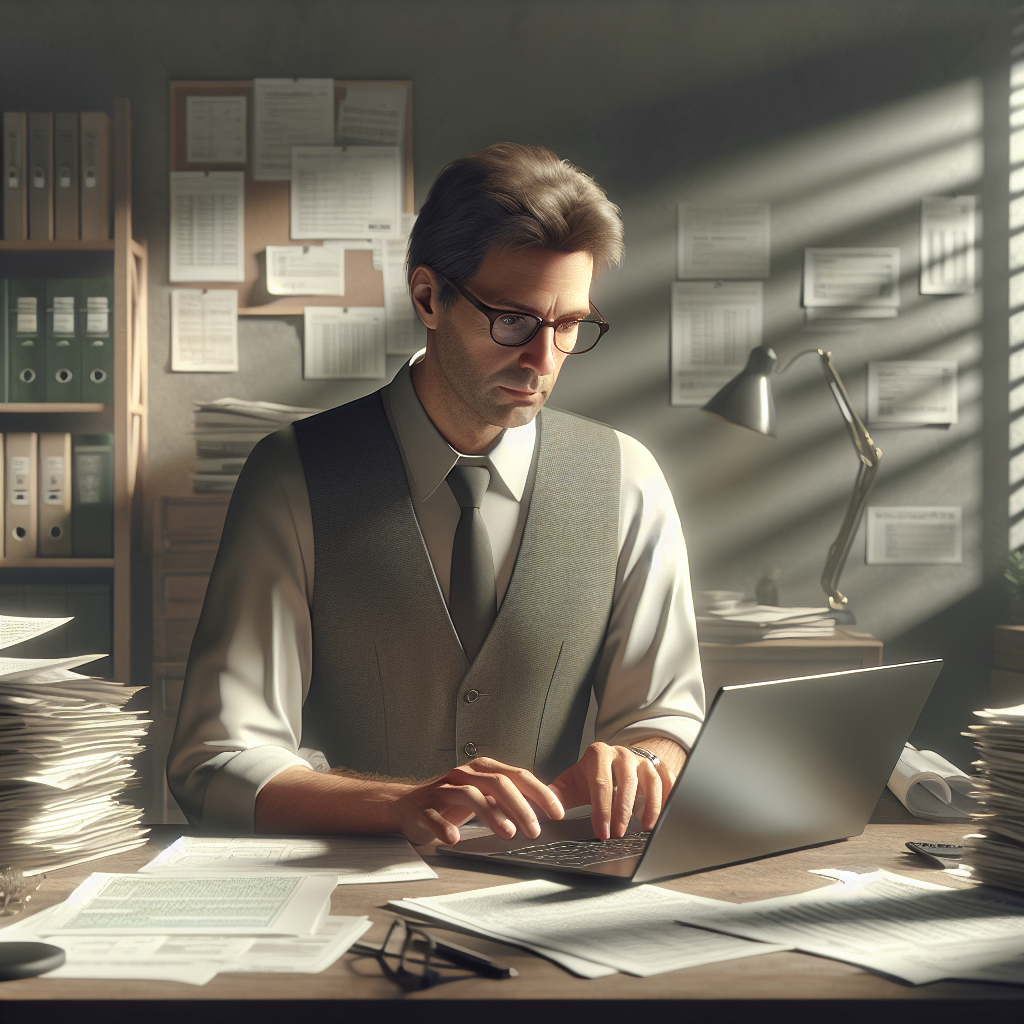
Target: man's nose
{"type": "Point", "coordinates": [538, 354]}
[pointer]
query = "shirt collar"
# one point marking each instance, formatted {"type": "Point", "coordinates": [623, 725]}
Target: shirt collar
{"type": "Point", "coordinates": [430, 457]}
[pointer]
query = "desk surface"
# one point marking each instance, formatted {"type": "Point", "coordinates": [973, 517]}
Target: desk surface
{"type": "Point", "coordinates": [778, 976]}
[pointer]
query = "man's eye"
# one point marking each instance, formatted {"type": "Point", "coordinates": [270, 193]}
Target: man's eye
{"type": "Point", "coordinates": [511, 320]}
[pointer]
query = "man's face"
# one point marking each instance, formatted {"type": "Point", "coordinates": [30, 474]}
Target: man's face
{"type": "Point", "coordinates": [506, 387]}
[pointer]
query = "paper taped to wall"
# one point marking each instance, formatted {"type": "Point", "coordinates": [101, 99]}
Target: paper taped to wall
{"type": "Point", "coordinates": [908, 535]}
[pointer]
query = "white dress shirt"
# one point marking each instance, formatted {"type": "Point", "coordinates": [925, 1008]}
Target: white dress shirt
{"type": "Point", "coordinates": [249, 671]}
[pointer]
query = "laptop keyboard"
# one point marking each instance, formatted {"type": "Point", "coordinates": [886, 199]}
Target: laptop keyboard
{"type": "Point", "coordinates": [582, 854]}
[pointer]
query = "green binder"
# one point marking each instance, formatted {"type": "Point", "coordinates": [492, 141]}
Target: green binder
{"type": "Point", "coordinates": [63, 340]}
{"type": "Point", "coordinates": [92, 495]}
{"type": "Point", "coordinates": [26, 340]}
{"type": "Point", "coordinates": [96, 323]}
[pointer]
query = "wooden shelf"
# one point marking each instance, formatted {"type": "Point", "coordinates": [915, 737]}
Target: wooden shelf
{"type": "Point", "coordinates": [93, 407]}
{"type": "Point", "coordinates": [106, 245]}
{"type": "Point", "coordinates": [56, 563]}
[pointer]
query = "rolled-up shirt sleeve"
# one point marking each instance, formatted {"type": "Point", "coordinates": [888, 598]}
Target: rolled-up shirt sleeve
{"type": "Point", "coordinates": [240, 718]}
{"type": "Point", "coordinates": [649, 680]}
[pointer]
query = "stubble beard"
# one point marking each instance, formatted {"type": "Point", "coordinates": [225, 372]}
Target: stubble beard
{"type": "Point", "coordinates": [479, 393]}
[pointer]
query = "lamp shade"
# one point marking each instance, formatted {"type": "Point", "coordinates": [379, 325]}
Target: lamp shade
{"type": "Point", "coordinates": [747, 399]}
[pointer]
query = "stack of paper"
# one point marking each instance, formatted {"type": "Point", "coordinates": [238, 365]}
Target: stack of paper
{"type": "Point", "coordinates": [190, 929]}
{"type": "Point", "coordinates": [997, 854]}
{"type": "Point", "coordinates": [931, 787]}
{"type": "Point", "coordinates": [65, 756]}
{"type": "Point", "coordinates": [591, 933]}
{"type": "Point", "coordinates": [749, 623]}
{"type": "Point", "coordinates": [226, 432]}
{"type": "Point", "coordinates": [887, 923]}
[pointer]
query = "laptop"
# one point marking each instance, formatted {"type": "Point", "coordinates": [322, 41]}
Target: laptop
{"type": "Point", "coordinates": [777, 766]}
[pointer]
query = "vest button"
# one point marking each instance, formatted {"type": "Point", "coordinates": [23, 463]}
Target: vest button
{"type": "Point", "coordinates": [470, 749]}
{"type": "Point", "coordinates": [471, 695]}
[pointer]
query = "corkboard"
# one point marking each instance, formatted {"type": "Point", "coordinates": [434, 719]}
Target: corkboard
{"type": "Point", "coordinates": [267, 210]}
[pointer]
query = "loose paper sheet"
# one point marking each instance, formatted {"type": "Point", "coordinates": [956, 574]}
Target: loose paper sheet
{"type": "Point", "coordinates": [914, 930]}
{"type": "Point", "coordinates": [371, 116]}
{"type": "Point", "coordinates": [289, 112]}
{"type": "Point", "coordinates": [714, 327]}
{"type": "Point", "coordinates": [107, 904]}
{"type": "Point", "coordinates": [855, 282]}
{"type": "Point", "coordinates": [346, 192]}
{"type": "Point", "coordinates": [207, 228]}
{"type": "Point", "coordinates": [630, 930]}
{"type": "Point", "coordinates": [912, 392]}
{"type": "Point", "coordinates": [724, 240]}
{"type": "Point", "coordinates": [215, 129]}
{"type": "Point", "coordinates": [343, 343]}
{"type": "Point", "coordinates": [204, 330]}
{"type": "Point", "coordinates": [405, 331]}
{"type": "Point", "coordinates": [947, 245]}
{"type": "Point", "coordinates": [915, 535]}
{"type": "Point", "coordinates": [353, 859]}
{"type": "Point", "coordinates": [305, 270]}
{"type": "Point", "coordinates": [16, 628]}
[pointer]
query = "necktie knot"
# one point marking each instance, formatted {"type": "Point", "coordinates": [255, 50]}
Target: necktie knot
{"type": "Point", "coordinates": [469, 484]}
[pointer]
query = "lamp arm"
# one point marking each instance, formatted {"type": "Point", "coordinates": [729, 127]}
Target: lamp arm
{"type": "Point", "coordinates": [870, 458]}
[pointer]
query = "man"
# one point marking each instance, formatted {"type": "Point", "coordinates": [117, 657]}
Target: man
{"type": "Point", "coordinates": [428, 583]}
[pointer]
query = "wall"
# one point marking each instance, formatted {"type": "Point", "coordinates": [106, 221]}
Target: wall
{"type": "Point", "coordinates": [842, 114]}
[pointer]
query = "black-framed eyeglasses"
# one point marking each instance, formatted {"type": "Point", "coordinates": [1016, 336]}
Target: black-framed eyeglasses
{"type": "Point", "coordinates": [512, 328]}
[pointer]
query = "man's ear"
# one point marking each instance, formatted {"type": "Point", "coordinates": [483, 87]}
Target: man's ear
{"type": "Point", "coordinates": [425, 289]}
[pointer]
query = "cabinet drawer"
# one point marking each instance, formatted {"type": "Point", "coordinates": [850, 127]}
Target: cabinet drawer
{"type": "Point", "coordinates": [183, 594]}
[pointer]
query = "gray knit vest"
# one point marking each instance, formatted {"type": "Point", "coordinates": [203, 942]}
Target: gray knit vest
{"type": "Point", "coordinates": [392, 691]}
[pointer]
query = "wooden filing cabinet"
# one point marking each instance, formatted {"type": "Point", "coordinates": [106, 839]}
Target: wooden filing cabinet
{"type": "Point", "coordinates": [723, 664]}
{"type": "Point", "coordinates": [187, 535]}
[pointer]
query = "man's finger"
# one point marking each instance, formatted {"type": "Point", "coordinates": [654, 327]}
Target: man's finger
{"type": "Point", "coordinates": [624, 771]}
{"type": "Point", "coordinates": [440, 826]}
{"type": "Point", "coordinates": [652, 788]}
{"type": "Point", "coordinates": [600, 781]}
{"type": "Point", "coordinates": [525, 782]}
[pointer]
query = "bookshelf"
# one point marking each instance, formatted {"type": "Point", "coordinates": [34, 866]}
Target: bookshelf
{"type": "Point", "coordinates": [126, 418]}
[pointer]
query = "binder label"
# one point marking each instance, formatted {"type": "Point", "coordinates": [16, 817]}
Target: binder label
{"type": "Point", "coordinates": [27, 316]}
{"type": "Point", "coordinates": [64, 314]}
{"type": "Point", "coordinates": [20, 469]}
{"type": "Point", "coordinates": [97, 315]}
{"type": "Point", "coordinates": [89, 478]}
{"type": "Point", "coordinates": [53, 483]}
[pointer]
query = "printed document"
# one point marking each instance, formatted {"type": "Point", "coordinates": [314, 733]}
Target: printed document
{"type": "Point", "coordinates": [909, 535]}
{"type": "Point", "coordinates": [855, 282]}
{"type": "Point", "coordinates": [912, 392]}
{"type": "Point", "coordinates": [630, 930]}
{"type": "Point", "coordinates": [15, 628]}
{"type": "Point", "coordinates": [405, 331]}
{"type": "Point", "coordinates": [915, 930]}
{"type": "Point", "coordinates": [714, 327]}
{"type": "Point", "coordinates": [207, 226]}
{"type": "Point", "coordinates": [215, 129]}
{"type": "Point", "coordinates": [346, 192]}
{"type": "Point", "coordinates": [371, 116]}
{"type": "Point", "coordinates": [724, 240]}
{"type": "Point", "coordinates": [342, 343]}
{"type": "Point", "coordinates": [351, 859]}
{"type": "Point", "coordinates": [227, 905]}
{"type": "Point", "coordinates": [204, 330]}
{"type": "Point", "coordinates": [947, 245]}
{"type": "Point", "coordinates": [289, 112]}
{"type": "Point", "coordinates": [305, 270]}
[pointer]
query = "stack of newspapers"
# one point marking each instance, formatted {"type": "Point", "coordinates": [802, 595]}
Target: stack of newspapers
{"type": "Point", "coordinates": [751, 622]}
{"type": "Point", "coordinates": [226, 432]}
{"type": "Point", "coordinates": [65, 758]}
{"type": "Point", "coordinates": [996, 854]}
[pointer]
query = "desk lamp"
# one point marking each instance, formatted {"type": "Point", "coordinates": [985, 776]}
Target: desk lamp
{"type": "Point", "coordinates": [747, 401]}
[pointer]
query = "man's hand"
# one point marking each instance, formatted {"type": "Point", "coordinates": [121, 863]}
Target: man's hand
{"type": "Point", "coordinates": [609, 778]}
{"type": "Point", "coordinates": [498, 794]}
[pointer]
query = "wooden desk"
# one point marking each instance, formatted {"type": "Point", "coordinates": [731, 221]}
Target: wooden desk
{"type": "Point", "coordinates": [794, 982]}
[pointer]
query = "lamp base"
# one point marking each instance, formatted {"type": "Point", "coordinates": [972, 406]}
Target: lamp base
{"type": "Point", "coordinates": [843, 617]}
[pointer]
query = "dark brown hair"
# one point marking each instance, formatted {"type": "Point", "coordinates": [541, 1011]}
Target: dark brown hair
{"type": "Point", "coordinates": [516, 197]}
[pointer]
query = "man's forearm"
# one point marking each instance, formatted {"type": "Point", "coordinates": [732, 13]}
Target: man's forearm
{"type": "Point", "coordinates": [300, 801]}
{"type": "Point", "coordinates": [672, 755]}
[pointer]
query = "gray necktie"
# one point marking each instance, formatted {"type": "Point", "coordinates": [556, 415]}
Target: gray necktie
{"type": "Point", "coordinates": [471, 597]}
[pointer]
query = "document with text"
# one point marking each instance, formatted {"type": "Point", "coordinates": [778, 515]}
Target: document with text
{"type": "Point", "coordinates": [852, 282]}
{"type": "Point", "coordinates": [215, 129]}
{"type": "Point", "coordinates": [289, 112]}
{"type": "Point", "coordinates": [16, 628]}
{"type": "Point", "coordinates": [912, 392]}
{"type": "Point", "coordinates": [207, 226]}
{"type": "Point", "coordinates": [340, 343]}
{"type": "Point", "coordinates": [204, 330]}
{"type": "Point", "coordinates": [352, 859]}
{"type": "Point", "coordinates": [724, 240]}
{"type": "Point", "coordinates": [371, 116]}
{"type": "Point", "coordinates": [305, 270]}
{"type": "Point", "coordinates": [947, 244]}
{"type": "Point", "coordinates": [914, 535]}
